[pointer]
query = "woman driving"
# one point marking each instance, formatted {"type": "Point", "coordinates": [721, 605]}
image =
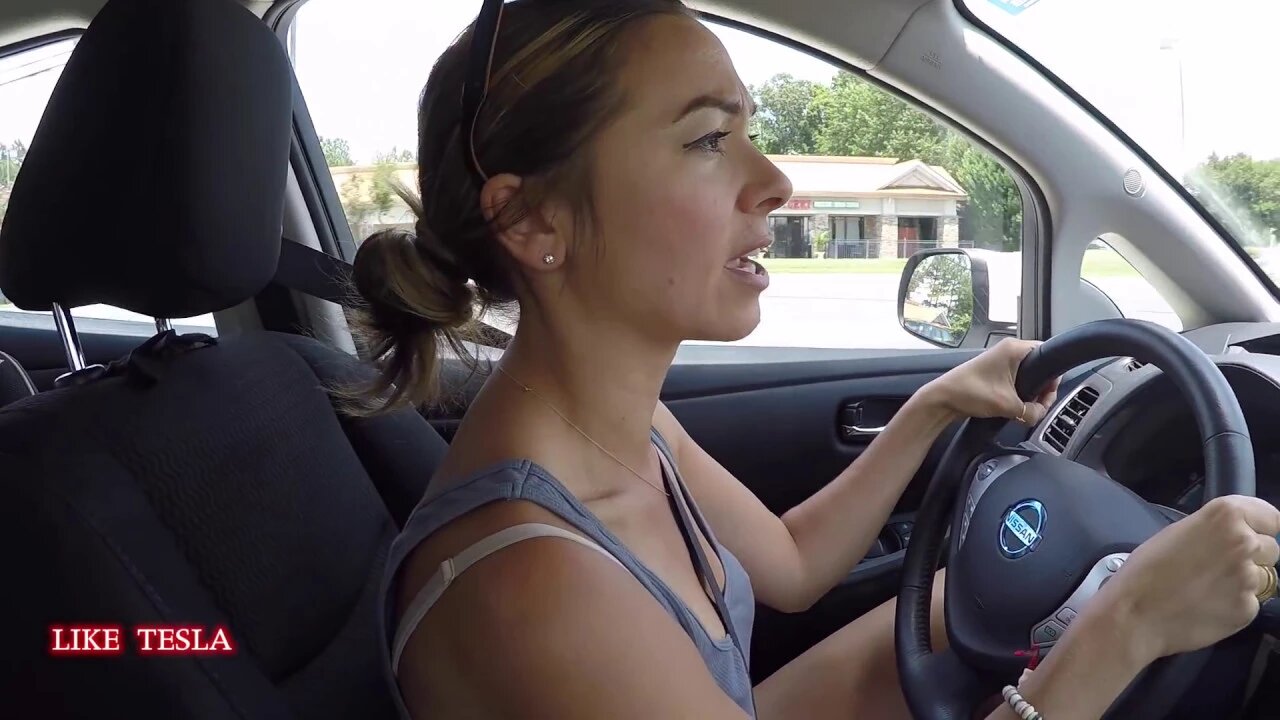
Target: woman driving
{"type": "Point", "coordinates": [578, 555]}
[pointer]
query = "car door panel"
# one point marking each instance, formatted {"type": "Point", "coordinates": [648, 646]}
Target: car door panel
{"type": "Point", "coordinates": [41, 352]}
{"type": "Point", "coordinates": [777, 426]}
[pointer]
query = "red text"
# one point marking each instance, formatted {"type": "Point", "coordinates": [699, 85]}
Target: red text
{"type": "Point", "coordinates": [182, 640]}
{"type": "Point", "coordinates": [85, 640]}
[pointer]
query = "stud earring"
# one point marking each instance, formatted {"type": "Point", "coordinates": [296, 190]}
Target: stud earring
{"type": "Point", "coordinates": [548, 259]}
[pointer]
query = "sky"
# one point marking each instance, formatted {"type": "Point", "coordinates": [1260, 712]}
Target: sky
{"type": "Point", "coordinates": [362, 63]}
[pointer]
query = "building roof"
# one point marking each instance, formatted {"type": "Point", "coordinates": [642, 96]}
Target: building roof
{"type": "Point", "coordinates": [811, 176]}
{"type": "Point", "coordinates": [831, 176]}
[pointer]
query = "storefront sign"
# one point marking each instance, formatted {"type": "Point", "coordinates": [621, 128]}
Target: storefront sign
{"type": "Point", "coordinates": [836, 204]}
{"type": "Point", "coordinates": [799, 205]}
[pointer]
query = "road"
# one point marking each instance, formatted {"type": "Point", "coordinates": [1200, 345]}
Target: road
{"type": "Point", "coordinates": [819, 310]}
{"type": "Point", "coordinates": [854, 310]}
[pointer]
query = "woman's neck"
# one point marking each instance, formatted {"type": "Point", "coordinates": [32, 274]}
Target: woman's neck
{"type": "Point", "coordinates": [603, 381]}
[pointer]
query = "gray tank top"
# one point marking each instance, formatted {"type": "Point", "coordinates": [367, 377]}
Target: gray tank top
{"type": "Point", "coordinates": [526, 480]}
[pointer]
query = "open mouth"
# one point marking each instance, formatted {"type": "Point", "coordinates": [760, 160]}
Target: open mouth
{"type": "Point", "coordinates": [748, 271]}
{"type": "Point", "coordinates": [746, 265]}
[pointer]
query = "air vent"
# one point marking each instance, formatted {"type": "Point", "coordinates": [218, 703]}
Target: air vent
{"type": "Point", "coordinates": [1064, 424]}
{"type": "Point", "coordinates": [1134, 364]}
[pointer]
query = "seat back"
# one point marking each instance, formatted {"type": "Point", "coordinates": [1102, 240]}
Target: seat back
{"type": "Point", "coordinates": [15, 384]}
{"type": "Point", "coordinates": [200, 482]}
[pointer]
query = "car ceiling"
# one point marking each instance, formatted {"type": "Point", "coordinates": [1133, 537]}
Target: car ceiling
{"type": "Point", "coordinates": [856, 31]}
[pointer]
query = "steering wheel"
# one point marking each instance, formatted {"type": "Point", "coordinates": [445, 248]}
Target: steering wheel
{"type": "Point", "coordinates": [1033, 535]}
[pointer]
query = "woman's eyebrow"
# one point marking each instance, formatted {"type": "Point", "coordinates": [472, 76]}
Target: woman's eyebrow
{"type": "Point", "coordinates": [730, 107]}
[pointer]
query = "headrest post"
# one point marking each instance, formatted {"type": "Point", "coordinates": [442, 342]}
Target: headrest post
{"type": "Point", "coordinates": [70, 341]}
{"type": "Point", "coordinates": [163, 325]}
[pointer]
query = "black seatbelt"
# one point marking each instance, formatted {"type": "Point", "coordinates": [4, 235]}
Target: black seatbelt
{"type": "Point", "coordinates": [314, 273]}
{"type": "Point", "coordinates": [324, 276]}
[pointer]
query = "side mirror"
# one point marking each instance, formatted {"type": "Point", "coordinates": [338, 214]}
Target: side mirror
{"type": "Point", "coordinates": [942, 298]}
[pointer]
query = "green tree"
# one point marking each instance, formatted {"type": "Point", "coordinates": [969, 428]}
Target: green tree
{"type": "Point", "coordinates": [992, 216]}
{"type": "Point", "coordinates": [1242, 192]}
{"type": "Point", "coordinates": [945, 283]}
{"type": "Point", "coordinates": [860, 119]}
{"type": "Point", "coordinates": [337, 152]}
{"type": "Point", "coordinates": [11, 157]}
{"type": "Point", "coordinates": [397, 156]}
{"type": "Point", "coordinates": [382, 194]}
{"type": "Point", "coordinates": [787, 116]}
{"type": "Point", "coordinates": [358, 205]}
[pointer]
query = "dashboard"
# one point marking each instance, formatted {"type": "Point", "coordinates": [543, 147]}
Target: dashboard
{"type": "Point", "coordinates": [1128, 421]}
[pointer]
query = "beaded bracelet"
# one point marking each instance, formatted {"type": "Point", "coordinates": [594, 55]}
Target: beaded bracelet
{"type": "Point", "coordinates": [1020, 705]}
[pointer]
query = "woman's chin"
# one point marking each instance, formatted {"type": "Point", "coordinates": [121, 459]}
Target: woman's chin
{"type": "Point", "coordinates": [732, 328]}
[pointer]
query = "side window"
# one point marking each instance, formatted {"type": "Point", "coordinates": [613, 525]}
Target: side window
{"type": "Point", "coordinates": [875, 180]}
{"type": "Point", "coordinates": [26, 82]}
{"type": "Point", "coordinates": [1136, 298]}
{"type": "Point", "coordinates": [362, 93]}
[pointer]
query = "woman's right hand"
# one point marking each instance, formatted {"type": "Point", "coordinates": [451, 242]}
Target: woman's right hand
{"type": "Point", "coordinates": [1195, 582]}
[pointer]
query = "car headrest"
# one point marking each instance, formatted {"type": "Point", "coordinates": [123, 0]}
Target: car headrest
{"type": "Point", "coordinates": [155, 181]}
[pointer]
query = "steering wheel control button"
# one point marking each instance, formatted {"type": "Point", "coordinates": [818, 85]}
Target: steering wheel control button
{"type": "Point", "coordinates": [987, 468]}
{"type": "Point", "coordinates": [1047, 633]}
{"type": "Point", "coordinates": [1050, 629]}
{"type": "Point", "coordinates": [1022, 528]}
{"type": "Point", "coordinates": [983, 478]}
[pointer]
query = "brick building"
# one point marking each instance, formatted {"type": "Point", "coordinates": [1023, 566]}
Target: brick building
{"type": "Point", "coordinates": [868, 207]}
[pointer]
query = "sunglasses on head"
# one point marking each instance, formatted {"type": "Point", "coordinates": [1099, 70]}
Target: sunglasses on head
{"type": "Point", "coordinates": [484, 38]}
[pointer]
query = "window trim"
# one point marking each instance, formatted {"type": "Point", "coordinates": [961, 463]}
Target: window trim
{"type": "Point", "coordinates": [1158, 168]}
{"type": "Point", "coordinates": [1037, 230]}
{"type": "Point", "coordinates": [40, 41]}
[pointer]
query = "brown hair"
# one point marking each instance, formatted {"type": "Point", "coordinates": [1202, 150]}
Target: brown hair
{"type": "Point", "coordinates": [554, 86]}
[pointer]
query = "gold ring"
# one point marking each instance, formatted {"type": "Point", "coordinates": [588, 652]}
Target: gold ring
{"type": "Point", "coordinates": [1023, 414]}
{"type": "Point", "coordinates": [1271, 584]}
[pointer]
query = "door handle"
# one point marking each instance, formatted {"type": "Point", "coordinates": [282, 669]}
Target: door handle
{"type": "Point", "coordinates": [865, 418]}
{"type": "Point", "coordinates": [859, 431]}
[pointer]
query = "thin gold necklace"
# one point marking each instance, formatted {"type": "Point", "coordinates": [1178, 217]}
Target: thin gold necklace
{"type": "Point", "coordinates": [581, 432]}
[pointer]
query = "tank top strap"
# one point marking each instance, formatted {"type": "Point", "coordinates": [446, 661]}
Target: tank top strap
{"type": "Point", "coordinates": [454, 566]}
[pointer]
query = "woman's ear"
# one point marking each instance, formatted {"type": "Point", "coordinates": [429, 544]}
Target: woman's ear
{"type": "Point", "coordinates": [533, 239]}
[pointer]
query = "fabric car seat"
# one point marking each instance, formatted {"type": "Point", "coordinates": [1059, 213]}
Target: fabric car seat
{"type": "Point", "coordinates": [201, 481]}
{"type": "Point", "coordinates": [15, 383]}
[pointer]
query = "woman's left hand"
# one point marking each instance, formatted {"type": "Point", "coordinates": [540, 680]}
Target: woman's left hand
{"type": "Point", "coordinates": [984, 386]}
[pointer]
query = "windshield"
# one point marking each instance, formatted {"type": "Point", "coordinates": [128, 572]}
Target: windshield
{"type": "Point", "coordinates": [1192, 83]}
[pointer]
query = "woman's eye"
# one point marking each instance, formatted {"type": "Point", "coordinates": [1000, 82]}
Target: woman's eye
{"type": "Point", "coordinates": [711, 142]}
